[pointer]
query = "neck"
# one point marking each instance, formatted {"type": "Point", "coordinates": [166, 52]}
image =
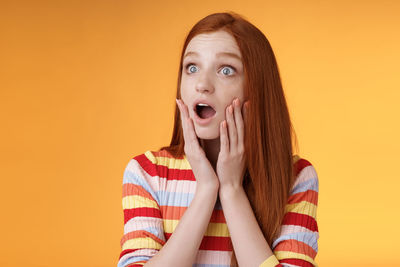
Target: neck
{"type": "Point", "coordinates": [211, 148]}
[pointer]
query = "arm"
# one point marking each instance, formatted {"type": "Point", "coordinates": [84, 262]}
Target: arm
{"type": "Point", "coordinates": [143, 242]}
{"type": "Point", "coordinates": [143, 225]}
{"type": "Point", "coordinates": [183, 245]}
{"type": "Point", "coordinates": [297, 244]}
{"type": "Point", "coordinates": [250, 246]}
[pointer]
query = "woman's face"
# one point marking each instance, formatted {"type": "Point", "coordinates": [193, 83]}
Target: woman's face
{"type": "Point", "coordinates": [212, 74]}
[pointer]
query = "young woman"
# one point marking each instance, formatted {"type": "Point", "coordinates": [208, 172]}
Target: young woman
{"type": "Point", "coordinates": [228, 190]}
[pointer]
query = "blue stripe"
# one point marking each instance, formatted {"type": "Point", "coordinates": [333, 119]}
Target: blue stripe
{"type": "Point", "coordinates": [180, 199]}
{"type": "Point", "coordinates": [176, 199]}
{"type": "Point", "coordinates": [132, 260]}
{"type": "Point", "coordinates": [311, 184]}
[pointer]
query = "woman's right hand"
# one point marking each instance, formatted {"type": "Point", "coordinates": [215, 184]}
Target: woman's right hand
{"type": "Point", "coordinates": [201, 166]}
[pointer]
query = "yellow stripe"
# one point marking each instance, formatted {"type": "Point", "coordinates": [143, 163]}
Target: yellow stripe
{"type": "Point", "coordinates": [171, 163]}
{"type": "Point", "coordinates": [303, 207]}
{"type": "Point", "coordinates": [135, 201]}
{"type": "Point", "coordinates": [182, 164]}
{"type": "Point", "coordinates": [272, 261]}
{"type": "Point", "coordinates": [141, 242]}
{"type": "Point", "coordinates": [295, 158]}
{"type": "Point", "coordinates": [213, 229]}
{"type": "Point", "coordinates": [293, 255]}
{"type": "Point", "coordinates": [150, 156]}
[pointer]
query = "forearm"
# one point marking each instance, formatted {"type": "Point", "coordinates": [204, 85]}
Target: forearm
{"type": "Point", "coordinates": [250, 246]}
{"type": "Point", "coordinates": [182, 247]}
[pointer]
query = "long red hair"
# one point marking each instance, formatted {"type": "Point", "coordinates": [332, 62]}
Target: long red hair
{"type": "Point", "coordinates": [269, 172]}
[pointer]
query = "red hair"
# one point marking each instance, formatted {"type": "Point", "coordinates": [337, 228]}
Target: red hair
{"type": "Point", "coordinates": [269, 172]}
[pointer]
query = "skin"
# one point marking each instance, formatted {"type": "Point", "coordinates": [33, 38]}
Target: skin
{"type": "Point", "coordinates": [219, 80]}
{"type": "Point", "coordinates": [218, 160]}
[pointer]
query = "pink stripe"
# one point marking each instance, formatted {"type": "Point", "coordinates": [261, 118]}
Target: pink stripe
{"type": "Point", "coordinates": [152, 181]}
{"type": "Point", "coordinates": [181, 186]}
{"type": "Point", "coordinates": [290, 229]}
{"type": "Point", "coordinates": [210, 256]}
{"type": "Point", "coordinates": [139, 223]}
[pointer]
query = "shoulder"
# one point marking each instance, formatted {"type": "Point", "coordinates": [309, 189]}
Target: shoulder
{"type": "Point", "coordinates": [306, 175]}
{"type": "Point", "coordinates": [158, 162]}
{"type": "Point", "coordinates": [142, 163]}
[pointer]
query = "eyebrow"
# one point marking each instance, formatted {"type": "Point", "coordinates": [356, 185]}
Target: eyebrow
{"type": "Point", "coordinates": [220, 54]}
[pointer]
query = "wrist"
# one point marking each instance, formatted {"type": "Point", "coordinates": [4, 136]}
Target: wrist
{"type": "Point", "coordinates": [229, 190]}
{"type": "Point", "coordinates": [210, 187]}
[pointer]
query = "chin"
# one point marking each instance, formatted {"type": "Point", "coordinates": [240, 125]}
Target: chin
{"type": "Point", "coordinates": [207, 132]}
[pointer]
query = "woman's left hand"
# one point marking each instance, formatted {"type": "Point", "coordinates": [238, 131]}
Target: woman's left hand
{"type": "Point", "coordinates": [231, 159]}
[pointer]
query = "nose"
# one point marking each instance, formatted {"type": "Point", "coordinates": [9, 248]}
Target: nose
{"type": "Point", "coordinates": [204, 83]}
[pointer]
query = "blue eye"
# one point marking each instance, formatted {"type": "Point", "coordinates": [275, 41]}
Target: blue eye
{"type": "Point", "coordinates": [191, 68]}
{"type": "Point", "coordinates": [227, 68]}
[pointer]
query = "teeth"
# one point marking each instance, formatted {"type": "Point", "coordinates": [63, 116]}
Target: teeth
{"type": "Point", "coordinates": [201, 104]}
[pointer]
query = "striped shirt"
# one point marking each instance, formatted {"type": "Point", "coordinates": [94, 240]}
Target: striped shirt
{"type": "Point", "coordinates": [158, 188]}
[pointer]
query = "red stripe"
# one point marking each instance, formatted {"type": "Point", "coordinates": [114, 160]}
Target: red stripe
{"type": "Point", "coordinates": [219, 243]}
{"type": "Point", "coordinates": [163, 171]}
{"type": "Point", "coordinates": [146, 164]}
{"type": "Point", "coordinates": [300, 165]}
{"type": "Point", "coordinates": [293, 218]}
{"type": "Point", "coordinates": [187, 174]}
{"type": "Point", "coordinates": [165, 153]}
{"type": "Point", "coordinates": [147, 212]}
{"type": "Point", "coordinates": [297, 262]}
{"type": "Point", "coordinates": [176, 174]}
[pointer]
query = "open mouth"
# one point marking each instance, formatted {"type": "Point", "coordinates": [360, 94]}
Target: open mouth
{"type": "Point", "coordinates": [204, 111]}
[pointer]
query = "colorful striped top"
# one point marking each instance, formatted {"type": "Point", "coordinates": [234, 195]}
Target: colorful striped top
{"type": "Point", "coordinates": [158, 188]}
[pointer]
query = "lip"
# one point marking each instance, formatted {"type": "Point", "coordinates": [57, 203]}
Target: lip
{"type": "Point", "coordinates": [199, 120]}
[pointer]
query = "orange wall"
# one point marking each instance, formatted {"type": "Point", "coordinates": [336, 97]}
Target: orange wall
{"type": "Point", "coordinates": [86, 85]}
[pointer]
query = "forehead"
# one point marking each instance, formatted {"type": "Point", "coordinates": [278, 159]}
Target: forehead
{"type": "Point", "coordinates": [214, 42]}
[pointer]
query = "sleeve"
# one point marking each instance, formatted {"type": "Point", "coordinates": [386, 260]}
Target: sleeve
{"type": "Point", "coordinates": [143, 225]}
{"type": "Point", "coordinates": [297, 244]}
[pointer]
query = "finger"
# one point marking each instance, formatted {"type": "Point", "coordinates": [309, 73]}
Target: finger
{"type": "Point", "coordinates": [183, 119]}
{"type": "Point", "coordinates": [190, 132]}
{"type": "Point", "coordinates": [231, 128]}
{"type": "Point", "coordinates": [224, 149]}
{"type": "Point", "coordinates": [239, 123]}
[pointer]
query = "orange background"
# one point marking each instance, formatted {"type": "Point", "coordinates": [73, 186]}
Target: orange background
{"type": "Point", "coordinates": [87, 85]}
